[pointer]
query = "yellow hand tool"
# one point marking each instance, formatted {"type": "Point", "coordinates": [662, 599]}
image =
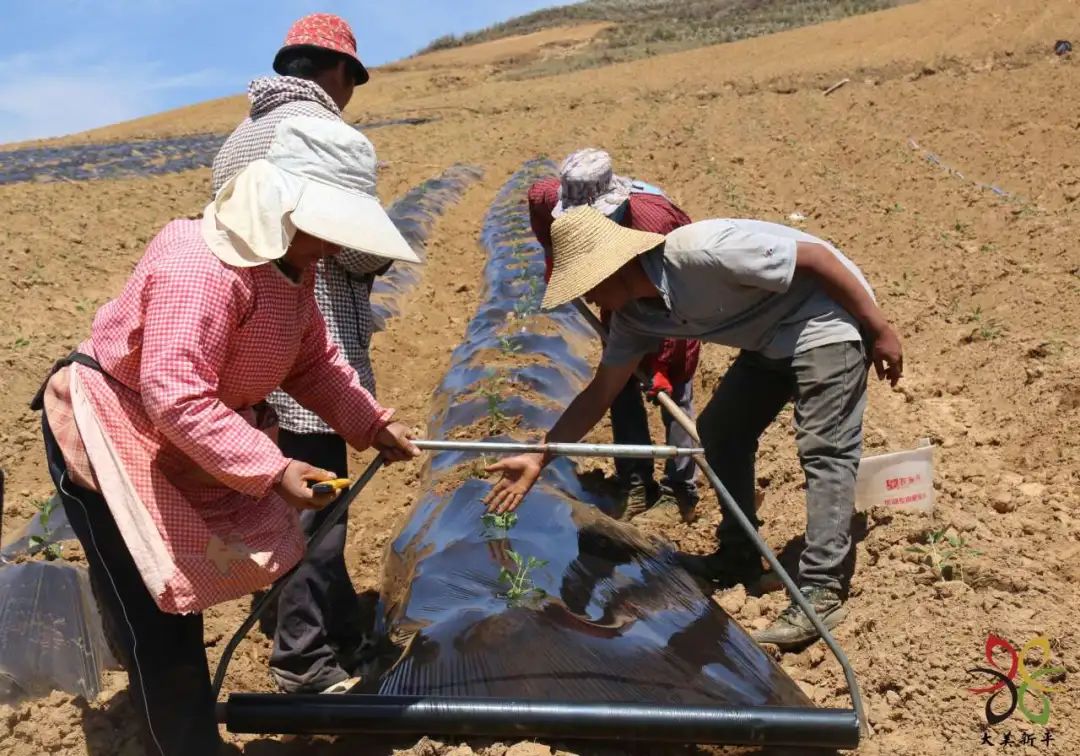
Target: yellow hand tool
{"type": "Point", "coordinates": [329, 486]}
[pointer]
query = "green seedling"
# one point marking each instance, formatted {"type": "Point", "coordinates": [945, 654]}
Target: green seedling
{"type": "Point", "coordinates": [491, 391]}
{"type": "Point", "coordinates": [987, 329]}
{"type": "Point", "coordinates": [990, 330]}
{"type": "Point", "coordinates": [523, 307]}
{"type": "Point", "coordinates": [519, 585]}
{"type": "Point", "coordinates": [496, 417]}
{"type": "Point", "coordinates": [508, 345]}
{"type": "Point", "coordinates": [44, 542]}
{"type": "Point", "coordinates": [944, 554]}
{"type": "Point", "coordinates": [21, 342]}
{"type": "Point", "coordinates": [502, 522]}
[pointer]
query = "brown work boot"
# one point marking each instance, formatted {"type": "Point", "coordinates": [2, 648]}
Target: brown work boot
{"type": "Point", "coordinates": [688, 499]}
{"type": "Point", "coordinates": [792, 629]}
{"type": "Point", "coordinates": [672, 507]}
{"type": "Point", "coordinates": [664, 512]}
{"type": "Point", "coordinates": [688, 511]}
{"type": "Point", "coordinates": [637, 502]}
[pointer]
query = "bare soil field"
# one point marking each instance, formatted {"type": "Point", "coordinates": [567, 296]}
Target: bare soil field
{"type": "Point", "coordinates": [983, 286]}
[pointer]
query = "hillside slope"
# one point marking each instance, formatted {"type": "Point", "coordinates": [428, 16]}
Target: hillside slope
{"type": "Point", "coordinates": [642, 28]}
{"type": "Point", "coordinates": [946, 98]}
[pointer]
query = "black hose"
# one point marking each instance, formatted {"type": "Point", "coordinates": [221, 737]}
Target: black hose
{"type": "Point", "coordinates": [411, 715]}
{"type": "Point", "coordinates": [732, 509]}
{"type": "Point", "coordinates": [337, 509]}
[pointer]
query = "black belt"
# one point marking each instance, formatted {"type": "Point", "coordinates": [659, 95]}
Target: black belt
{"type": "Point", "coordinates": [38, 402]}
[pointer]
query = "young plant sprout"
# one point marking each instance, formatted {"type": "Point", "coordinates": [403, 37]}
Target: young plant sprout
{"type": "Point", "coordinates": [503, 521]}
{"type": "Point", "coordinates": [496, 417]}
{"type": "Point", "coordinates": [519, 585]}
{"type": "Point", "coordinates": [508, 345]}
{"type": "Point", "coordinates": [44, 542]}
{"type": "Point", "coordinates": [523, 307]}
{"type": "Point", "coordinates": [944, 555]}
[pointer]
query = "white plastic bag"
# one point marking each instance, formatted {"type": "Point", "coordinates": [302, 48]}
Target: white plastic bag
{"type": "Point", "coordinates": [901, 480]}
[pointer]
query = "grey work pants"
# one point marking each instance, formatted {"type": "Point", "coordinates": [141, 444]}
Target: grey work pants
{"type": "Point", "coordinates": [318, 613]}
{"type": "Point", "coordinates": [828, 386]}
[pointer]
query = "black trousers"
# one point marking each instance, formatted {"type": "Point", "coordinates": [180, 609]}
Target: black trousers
{"type": "Point", "coordinates": [168, 675]}
{"type": "Point", "coordinates": [319, 619]}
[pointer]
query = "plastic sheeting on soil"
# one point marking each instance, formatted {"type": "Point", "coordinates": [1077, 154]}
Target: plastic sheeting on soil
{"type": "Point", "coordinates": [143, 157]}
{"type": "Point", "coordinates": [50, 632]}
{"type": "Point", "coordinates": [53, 529]}
{"type": "Point", "coordinates": [414, 214]}
{"type": "Point", "coordinates": [562, 602]}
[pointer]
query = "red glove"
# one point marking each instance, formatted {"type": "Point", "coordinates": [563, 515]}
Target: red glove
{"type": "Point", "coordinates": [660, 382]}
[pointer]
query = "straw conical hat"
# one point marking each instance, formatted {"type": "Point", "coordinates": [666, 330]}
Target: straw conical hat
{"type": "Point", "coordinates": [588, 247]}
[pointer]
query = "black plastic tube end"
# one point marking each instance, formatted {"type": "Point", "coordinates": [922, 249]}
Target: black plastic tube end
{"type": "Point", "coordinates": [365, 714]}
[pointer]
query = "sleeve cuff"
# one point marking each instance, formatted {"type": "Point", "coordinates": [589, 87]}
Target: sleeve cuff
{"type": "Point", "coordinates": [382, 419]}
{"type": "Point", "coordinates": [791, 256]}
{"type": "Point", "coordinates": [274, 472]}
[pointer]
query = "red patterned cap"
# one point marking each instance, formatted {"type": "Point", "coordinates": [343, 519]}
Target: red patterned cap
{"type": "Point", "coordinates": [326, 32]}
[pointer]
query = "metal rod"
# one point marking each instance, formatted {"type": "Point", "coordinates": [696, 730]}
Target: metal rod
{"type": "Point", "coordinates": [732, 509]}
{"type": "Point", "coordinates": [337, 509]}
{"type": "Point", "coordinates": [559, 450]}
{"type": "Point", "coordinates": [368, 714]}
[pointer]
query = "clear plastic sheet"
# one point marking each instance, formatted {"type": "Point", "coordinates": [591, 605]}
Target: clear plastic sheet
{"type": "Point", "coordinates": [559, 602]}
{"type": "Point", "coordinates": [415, 214]}
{"type": "Point", "coordinates": [50, 632]}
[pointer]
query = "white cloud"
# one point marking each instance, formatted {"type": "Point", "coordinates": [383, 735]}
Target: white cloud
{"type": "Point", "coordinates": [51, 93]}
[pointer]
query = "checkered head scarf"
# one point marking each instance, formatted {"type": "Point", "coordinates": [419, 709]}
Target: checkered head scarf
{"type": "Point", "coordinates": [586, 178]}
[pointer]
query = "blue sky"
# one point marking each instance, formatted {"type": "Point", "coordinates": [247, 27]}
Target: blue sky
{"type": "Point", "coordinates": [71, 65]}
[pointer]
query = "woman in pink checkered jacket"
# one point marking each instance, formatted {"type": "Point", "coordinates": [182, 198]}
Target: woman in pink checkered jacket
{"type": "Point", "coordinates": [156, 429]}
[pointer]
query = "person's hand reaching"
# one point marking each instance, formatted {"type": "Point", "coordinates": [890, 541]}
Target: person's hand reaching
{"type": "Point", "coordinates": [518, 476]}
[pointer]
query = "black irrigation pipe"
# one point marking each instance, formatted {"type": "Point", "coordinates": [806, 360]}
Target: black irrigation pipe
{"type": "Point", "coordinates": [414, 715]}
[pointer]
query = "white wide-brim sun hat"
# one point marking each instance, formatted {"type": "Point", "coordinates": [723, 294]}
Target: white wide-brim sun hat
{"type": "Point", "coordinates": [318, 177]}
{"type": "Point", "coordinates": [587, 247]}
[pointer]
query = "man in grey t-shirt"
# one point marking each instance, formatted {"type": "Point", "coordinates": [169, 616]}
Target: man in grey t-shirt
{"type": "Point", "coordinates": [799, 311]}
